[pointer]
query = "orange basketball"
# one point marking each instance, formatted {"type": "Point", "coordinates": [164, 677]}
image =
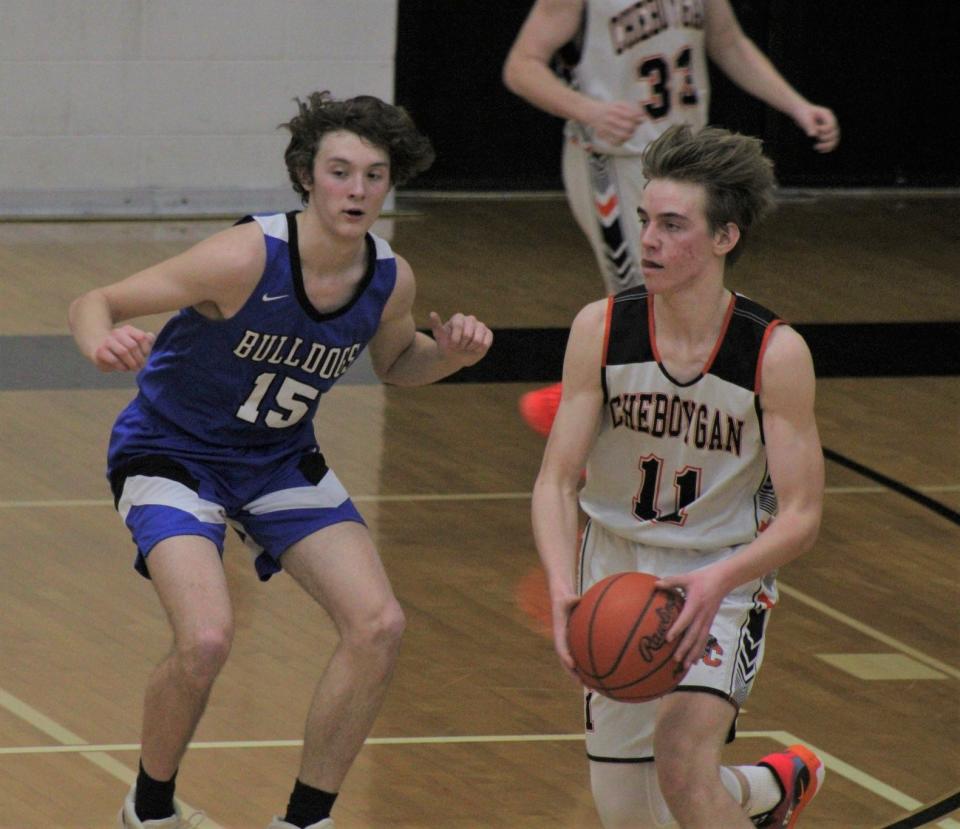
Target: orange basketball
{"type": "Point", "coordinates": [617, 637]}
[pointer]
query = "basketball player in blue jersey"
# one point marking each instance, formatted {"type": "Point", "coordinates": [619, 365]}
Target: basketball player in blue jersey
{"type": "Point", "coordinates": [272, 312]}
{"type": "Point", "coordinates": [692, 408]}
{"type": "Point", "coordinates": [639, 68]}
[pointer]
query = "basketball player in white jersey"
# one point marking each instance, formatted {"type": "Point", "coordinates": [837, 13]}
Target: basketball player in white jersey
{"type": "Point", "coordinates": [692, 409]}
{"type": "Point", "coordinates": [639, 68]}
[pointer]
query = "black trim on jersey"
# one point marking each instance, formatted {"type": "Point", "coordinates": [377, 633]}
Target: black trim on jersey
{"type": "Point", "coordinates": [738, 353]}
{"type": "Point", "coordinates": [296, 269]}
{"type": "Point", "coordinates": [313, 467]}
{"type": "Point", "coordinates": [598, 759]}
{"type": "Point", "coordinates": [736, 361]}
{"type": "Point", "coordinates": [629, 337]}
{"type": "Point", "coordinates": [581, 563]}
{"type": "Point", "coordinates": [759, 410]}
{"type": "Point", "coordinates": [152, 466]}
{"type": "Point", "coordinates": [700, 689]}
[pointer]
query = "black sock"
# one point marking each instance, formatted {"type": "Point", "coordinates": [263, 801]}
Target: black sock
{"type": "Point", "coordinates": [308, 805]}
{"type": "Point", "coordinates": [153, 799]}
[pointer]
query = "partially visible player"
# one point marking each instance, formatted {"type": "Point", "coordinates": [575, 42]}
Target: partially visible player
{"type": "Point", "coordinates": [693, 410]}
{"type": "Point", "coordinates": [272, 312]}
{"type": "Point", "coordinates": [637, 69]}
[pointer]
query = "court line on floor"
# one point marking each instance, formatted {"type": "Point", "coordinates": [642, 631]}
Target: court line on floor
{"type": "Point", "coordinates": [866, 630]}
{"type": "Point", "coordinates": [72, 742]}
{"type": "Point", "coordinates": [97, 755]}
{"type": "Point", "coordinates": [785, 738]}
{"type": "Point", "coordinates": [438, 496]}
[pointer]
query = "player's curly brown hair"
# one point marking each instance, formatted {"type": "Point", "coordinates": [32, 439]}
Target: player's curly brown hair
{"type": "Point", "coordinates": [384, 125]}
{"type": "Point", "coordinates": [737, 176]}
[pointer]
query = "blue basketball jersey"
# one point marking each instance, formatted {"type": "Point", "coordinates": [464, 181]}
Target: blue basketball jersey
{"type": "Point", "coordinates": [253, 381]}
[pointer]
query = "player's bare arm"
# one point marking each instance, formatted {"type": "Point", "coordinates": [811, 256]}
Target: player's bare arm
{"type": "Point", "coordinates": [403, 356]}
{"type": "Point", "coordinates": [795, 462]}
{"type": "Point", "coordinates": [554, 506]}
{"type": "Point", "coordinates": [215, 276]}
{"type": "Point", "coordinates": [527, 73]}
{"type": "Point", "coordinates": [752, 71]}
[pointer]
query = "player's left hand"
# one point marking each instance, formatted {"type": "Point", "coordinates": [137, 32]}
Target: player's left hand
{"type": "Point", "coordinates": [820, 124]}
{"type": "Point", "coordinates": [461, 337]}
{"type": "Point", "coordinates": [702, 596]}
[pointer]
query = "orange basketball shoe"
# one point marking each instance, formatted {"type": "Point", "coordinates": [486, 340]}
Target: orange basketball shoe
{"type": "Point", "coordinates": [539, 407]}
{"type": "Point", "coordinates": [800, 774]}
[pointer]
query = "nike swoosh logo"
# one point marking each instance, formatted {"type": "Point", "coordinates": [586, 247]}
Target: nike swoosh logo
{"type": "Point", "coordinates": [268, 298]}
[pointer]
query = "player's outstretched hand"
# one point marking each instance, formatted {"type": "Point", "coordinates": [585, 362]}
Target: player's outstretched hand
{"type": "Point", "coordinates": [463, 337]}
{"type": "Point", "coordinates": [124, 349]}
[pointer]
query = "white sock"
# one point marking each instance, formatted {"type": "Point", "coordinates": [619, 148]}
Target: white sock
{"type": "Point", "coordinates": [763, 789]}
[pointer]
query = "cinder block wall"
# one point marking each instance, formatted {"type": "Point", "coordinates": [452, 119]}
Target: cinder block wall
{"type": "Point", "coordinates": [155, 107]}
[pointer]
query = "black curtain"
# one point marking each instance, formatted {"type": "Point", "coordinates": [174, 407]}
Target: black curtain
{"type": "Point", "coordinates": [890, 70]}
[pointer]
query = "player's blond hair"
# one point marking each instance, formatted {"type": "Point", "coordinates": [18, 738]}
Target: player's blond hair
{"type": "Point", "coordinates": [736, 175]}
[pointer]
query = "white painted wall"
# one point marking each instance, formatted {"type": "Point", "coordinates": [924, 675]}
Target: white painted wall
{"type": "Point", "coordinates": [153, 107]}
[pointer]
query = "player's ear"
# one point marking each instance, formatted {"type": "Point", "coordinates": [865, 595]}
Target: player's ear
{"type": "Point", "coordinates": [306, 178]}
{"type": "Point", "coordinates": [725, 238]}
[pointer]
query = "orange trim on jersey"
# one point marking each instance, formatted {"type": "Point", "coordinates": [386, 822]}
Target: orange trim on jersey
{"type": "Point", "coordinates": [763, 349]}
{"type": "Point", "coordinates": [608, 317]}
{"type": "Point", "coordinates": [651, 325]}
{"type": "Point", "coordinates": [723, 333]}
{"type": "Point", "coordinates": [605, 208]}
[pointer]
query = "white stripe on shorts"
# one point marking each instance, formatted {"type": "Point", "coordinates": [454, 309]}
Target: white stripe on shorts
{"type": "Point", "coordinates": [327, 494]}
{"type": "Point", "coordinates": [144, 490]}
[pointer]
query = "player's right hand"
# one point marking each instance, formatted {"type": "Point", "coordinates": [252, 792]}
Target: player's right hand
{"type": "Point", "coordinates": [616, 122]}
{"type": "Point", "coordinates": [562, 607]}
{"type": "Point", "coordinates": [124, 349]}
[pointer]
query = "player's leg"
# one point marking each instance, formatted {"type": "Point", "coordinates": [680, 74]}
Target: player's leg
{"type": "Point", "coordinates": [178, 527]}
{"type": "Point", "coordinates": [627, 795]}
{"type": "Point", "coordinates": [189, 579]}
{"type": "Point", "coordinates": [603, 193]}
{"type": "Point", "coordinates": [691, 731]}
{"type": "Point", "coordinates": [340, 568]}
{"type": "Point", "coordinates": [188, 576]}
{"type": "Point", "coordinates": [694, 723]}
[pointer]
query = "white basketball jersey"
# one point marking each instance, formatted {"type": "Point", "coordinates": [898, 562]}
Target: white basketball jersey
{"type": "Point", "coordinates": [648, 52]}
{"type": "Point", "coordinates": [681, 465]}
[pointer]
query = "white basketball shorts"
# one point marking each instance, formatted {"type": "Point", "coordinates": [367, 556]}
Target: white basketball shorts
{"type": "Point", "coordinates": [623, 731]}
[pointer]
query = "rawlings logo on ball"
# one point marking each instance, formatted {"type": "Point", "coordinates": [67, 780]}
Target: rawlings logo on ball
{"type": "Point", "coordinates": [668, 615]}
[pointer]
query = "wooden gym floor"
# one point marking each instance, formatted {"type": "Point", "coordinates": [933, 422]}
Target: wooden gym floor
{"type": "Point", "coordinates": [481, 728]}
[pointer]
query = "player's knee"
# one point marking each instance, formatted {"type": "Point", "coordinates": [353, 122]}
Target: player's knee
{"type": "Point", "coordinates": [202, 654]}
{"type": "Point", "coordinates": [674, 775]}
{"type": "Point", "coordinates": [379, 631]}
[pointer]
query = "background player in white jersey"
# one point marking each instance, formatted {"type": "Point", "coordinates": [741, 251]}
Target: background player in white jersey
{"type": "Point", "coordinates": [273, 311]}
{"type": "Point", "coordinates": [640, 67]}
{"type": "Point", "coordinates": [693, 410]}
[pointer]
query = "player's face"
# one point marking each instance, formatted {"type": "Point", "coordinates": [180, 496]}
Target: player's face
{"type": "Point", "coordinates": [351, 179]}
{"type": "Point", "coordinates": [678, 246]}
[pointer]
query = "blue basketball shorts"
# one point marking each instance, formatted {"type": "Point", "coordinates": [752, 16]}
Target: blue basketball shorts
{"type": "Point", "coordinates": [271, 506]}
{"type": "Point", "coordinates": [622, 732]}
